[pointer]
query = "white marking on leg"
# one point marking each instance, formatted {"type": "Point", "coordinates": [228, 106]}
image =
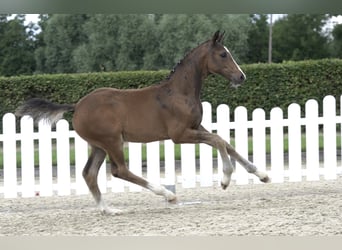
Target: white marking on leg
{"type": "Point", "coordinates": [227, 169]}
{"type": "Point", "coordinates": [160, 190]}
{"type": "Point", "coordinates": [262, 176]}
{"type": "Point", "coordinates": [225, 180]}
{"type": "Point", "coordinates": [105, 210]}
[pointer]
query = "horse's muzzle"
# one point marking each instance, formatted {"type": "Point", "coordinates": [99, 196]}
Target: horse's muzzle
{"type": "Point", "coordinates": [238, 79]}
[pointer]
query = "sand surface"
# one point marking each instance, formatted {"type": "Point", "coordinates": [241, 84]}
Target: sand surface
{"type": "Point", "coordinates": [305, 208]}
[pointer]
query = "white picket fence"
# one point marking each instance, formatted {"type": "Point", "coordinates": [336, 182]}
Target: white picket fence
{"type": "Point", "coordinates": [45, 179]}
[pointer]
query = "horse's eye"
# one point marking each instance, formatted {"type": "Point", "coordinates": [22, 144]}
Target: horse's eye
{"type": "Point", "coordinates": [223, 54]}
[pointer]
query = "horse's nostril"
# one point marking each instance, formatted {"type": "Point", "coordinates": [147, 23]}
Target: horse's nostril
{"type": "Point", "coordinates": [242, 77]}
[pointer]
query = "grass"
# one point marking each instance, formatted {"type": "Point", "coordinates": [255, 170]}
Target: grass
{"type": "Point", "coordinates": [177, 150]}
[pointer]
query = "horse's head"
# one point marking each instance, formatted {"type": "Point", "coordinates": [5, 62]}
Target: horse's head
{"type": "Point", "coordinates": [221, 62]}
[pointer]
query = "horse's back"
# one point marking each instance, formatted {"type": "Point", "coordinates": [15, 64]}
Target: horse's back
{"type": "Point", "coordinates": [131, 113]}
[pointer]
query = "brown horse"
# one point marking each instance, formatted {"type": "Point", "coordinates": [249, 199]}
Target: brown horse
{"type": "Point", "coordinates": [108, 117]}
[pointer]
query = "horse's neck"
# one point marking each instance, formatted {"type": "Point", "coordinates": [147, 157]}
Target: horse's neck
{"type": "Point", "coordinates": [189, 75]}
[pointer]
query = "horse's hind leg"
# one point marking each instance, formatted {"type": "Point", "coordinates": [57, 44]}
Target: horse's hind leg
{"type": "Point", "coordinates": [90, 173]}
{"type": "Point", "coordinates": [120, 170]}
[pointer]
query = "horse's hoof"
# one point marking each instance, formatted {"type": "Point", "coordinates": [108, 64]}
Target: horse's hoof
{"type": "Point", "coordinates": [173, 200]}
{"type": "Point", "coordinates": [224, 186]}
{"type": "Point", "coordinates": [266, 179]}
{"type": "Point", "coordinates": [111, 211]}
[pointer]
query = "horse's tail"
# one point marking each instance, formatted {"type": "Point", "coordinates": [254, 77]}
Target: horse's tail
{"type": "Point", "coordinates": [40, 109]}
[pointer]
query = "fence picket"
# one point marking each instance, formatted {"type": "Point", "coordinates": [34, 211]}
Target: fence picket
{"type": "Point", "coordinates": [45, 159]}
{"type": "Point", "coordinates": [206, 152]}
{"type": "Point", "coordinates": [188, 165]}
{"type": "Point", "coordinates": [295, 149]}
{"type": "Point", "coordinates": [277, 146]}
{"type": "Point", "coordinates": [329, 131]}
{"type": "Point", "coordinates": [102, 177]}
{"type": "Point", "coordinates": [153, 162]}
{"type": "Point", "coordinates": [135, 159]}
{"type": "Point", "coordinates": [223, 130]}
{"type": "Point", "coordinates": [27, 157]}
{"type": "Point", "coordinates": [10, 159]}
{"type": "Point", "coordinates": [312, 140]}
{"type": "Point", "coordinates": [241, 141]}
{"type": "Point", "coordinates": [259, 141]}
{"type": "Point", "coordinates": [63, 157]}
{"type": "Point", "coordinates": [81, 157]}
{"type": "Point", "coordinates": [118, 185]}
{"type": "Point", "coordinates": [170, 171]}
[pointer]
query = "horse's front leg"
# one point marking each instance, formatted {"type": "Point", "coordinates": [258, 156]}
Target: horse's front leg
{"type": "Point", "coordinates": [250, 167]}
{"type": "Point", "coordinates": [203, 136]}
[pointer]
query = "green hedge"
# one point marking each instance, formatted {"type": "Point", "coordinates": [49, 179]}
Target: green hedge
{"type": "Point", "coordinates": [267, 85]}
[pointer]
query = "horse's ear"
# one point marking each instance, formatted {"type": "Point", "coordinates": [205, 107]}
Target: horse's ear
{"type": "Point", "coordinates": [217, 38]}
{"type": "Point", "coordinates": [220, 39]}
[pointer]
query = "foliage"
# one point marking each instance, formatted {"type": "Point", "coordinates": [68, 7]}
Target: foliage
{"type": "Point", "coordinates": [150, 42]}
{"type": "Point", "coordinates": [337, 41]}
{"type": "Point", "coordinates": [300, 37]}
{"type": "Point", "coordinates": [76, 43]}
{"type": "Point", "coordinates": [16, 47]}
{"type": "Point", "coordinates": [258, 39]}
{"type": "Point", "coordinates": [62, 34]}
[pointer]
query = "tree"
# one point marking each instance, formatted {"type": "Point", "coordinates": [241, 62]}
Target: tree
{"type": "Point", "coordinates": [236, 29]}
{"type": "Point", "coordinates": [40, 45]}
{"type": "Point", "coordinates": [16, 47]}
{"type": "Point", "coordinates": [180, 33]}
{"type": "Point", "coordinates": [258, 39]}
{"type": "Point", "coordinates": [100, 48]}
{"type": "Point", "coordinates": [79, 43]}
{"type": "Point", "coordinates": [61, 36]}
{"type": "Point", "coordinates": [137, 43]}
{"type": "Point", "coordinates": [299, 37]}
{"type": "Point", "coordinates": [337, 41]}
{"type": "Point", "coordinates": [118, 42]}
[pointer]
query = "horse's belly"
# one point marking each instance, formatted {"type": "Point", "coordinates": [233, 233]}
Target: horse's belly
{"type": "Point", "coordinates": [144, 132]}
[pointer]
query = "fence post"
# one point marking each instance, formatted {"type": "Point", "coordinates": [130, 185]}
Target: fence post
{"type": "Point", "coordinates": [241, 143]}
{"type": "Point", "coordinates": [10, 158]}
{"type": "Point", "coordinates": [27, 156]}
{"type": "Point", "coordinates": [206, 151]}
{"type": "Point", "coordinates": [295, 149]}
{"type": "Point", "coordinates": [45, 159]}
{"type": "Point", "coordinates": [329, 132]}
{"type": "Point", "coordinates": [63, 157]}
{"type": "Point", "coordinates": [259, 141]}
{"type": "Point", "coordinates": [277, 145]}
{"type": "Point", "coordinates": [223, 130]}
{"type": "Point", "coordinates": [312, 140]}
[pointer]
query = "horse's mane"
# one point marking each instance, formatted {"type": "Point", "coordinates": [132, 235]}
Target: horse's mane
{"type": "Point", "coordinates": [182, 60]}
{"type": "Point", "coordinates": [217, 38]}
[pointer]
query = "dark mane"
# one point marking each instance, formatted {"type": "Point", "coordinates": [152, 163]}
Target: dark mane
{"type": "Point", "coordinates": [182, 60]}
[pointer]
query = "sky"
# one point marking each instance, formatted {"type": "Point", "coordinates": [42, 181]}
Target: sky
{"type": "Point", "coordinates": [32, 18]}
